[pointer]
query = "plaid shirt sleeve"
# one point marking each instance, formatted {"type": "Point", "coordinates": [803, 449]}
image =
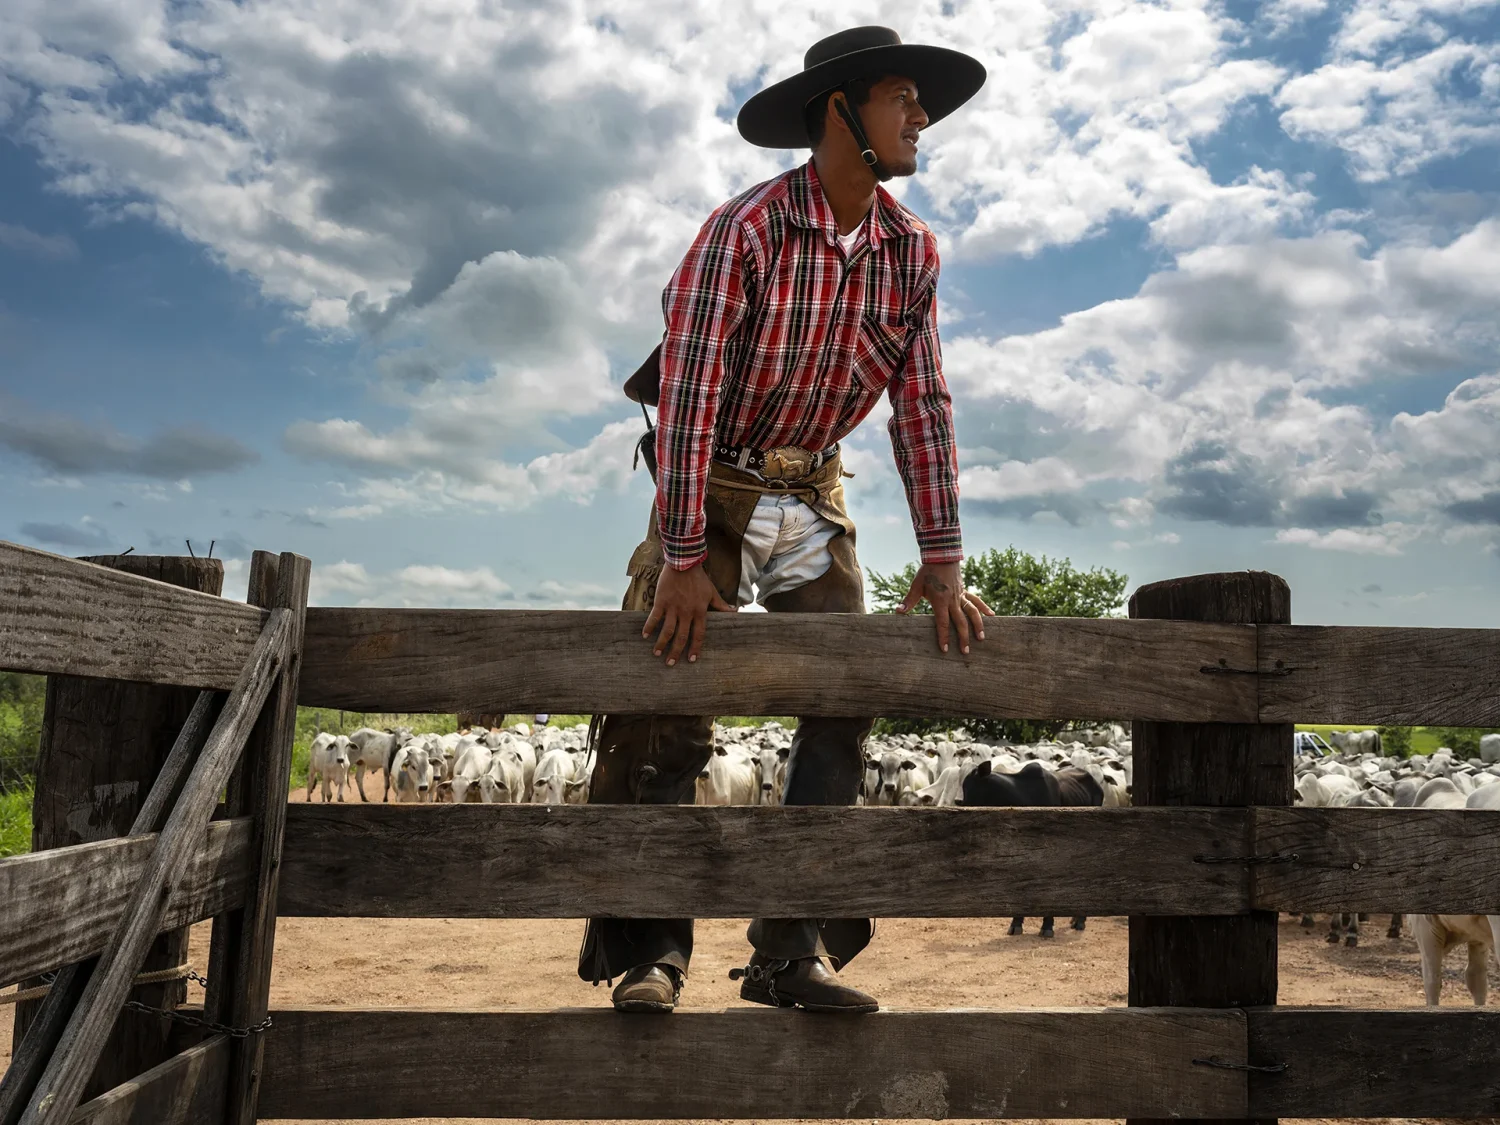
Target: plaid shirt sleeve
{"type": "Point", "coordinates": [704, 304]}
{"type": "Point", "coordinates": [921, 430]}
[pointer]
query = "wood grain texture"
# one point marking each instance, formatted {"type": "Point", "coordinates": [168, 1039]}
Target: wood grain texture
{"type": "Point", "coordinates": [61, 906]}
{"type": "Point", "coordinates": [104, 745]}
{"type": "Point", "coordinates": [187, 1089]}
{"type": "Point", "coordinates": [60, 1090]}
{"type": "Point", "coordinates": [570, 861]}
{"type": "Point", "coordinates": [1369, 676]}
{"type": "Point", "coordinates": [32, 1050]}
{"type": "Point", "coordinates": [1209, 961]}
{"type": "Point", "coordinates": [279, 583]}
{"type": "Point", "coordinates": [63, 616]}
{"type": "Point", "coordinates": [744, 1063]}
{"type": "Point", "coordinates": [137, 1042]}
{"type": "Point", "coordinates": [1412, 861]}
{"type": "Point", "coordinates": [1422, 1062]}
{"type": "Point", "coordinates": [774, 664]}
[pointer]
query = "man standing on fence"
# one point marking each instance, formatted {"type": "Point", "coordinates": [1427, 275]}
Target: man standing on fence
{"type": "Point", "coordinates": [799, 303]}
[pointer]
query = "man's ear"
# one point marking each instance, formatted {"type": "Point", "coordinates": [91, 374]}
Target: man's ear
{"type": "Point", "coordinates": [836, 99]}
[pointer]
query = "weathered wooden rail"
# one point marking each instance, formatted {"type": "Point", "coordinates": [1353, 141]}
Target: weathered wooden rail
{"type": "Point", "coordinates": [1208, 668]}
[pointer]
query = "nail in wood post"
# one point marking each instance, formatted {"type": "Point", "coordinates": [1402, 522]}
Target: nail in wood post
{"type": "Point", "coordinates": [240, 960]}
{"type": "Point", "coordinates": [1210, 962]}
{"type": "Point", "coordinates": [103, 743]}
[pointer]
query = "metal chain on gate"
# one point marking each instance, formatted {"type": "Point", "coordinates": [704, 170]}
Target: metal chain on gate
{"type": "Point", "coordinates": [181, 972]}
{"type": "Point", "coordinates": [191, 1020]}
{"type": "Point", "coordinates": [199, 1021]}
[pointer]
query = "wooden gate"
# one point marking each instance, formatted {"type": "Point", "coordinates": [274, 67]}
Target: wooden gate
{"type": "Point", "coordinates": [1208, 667]}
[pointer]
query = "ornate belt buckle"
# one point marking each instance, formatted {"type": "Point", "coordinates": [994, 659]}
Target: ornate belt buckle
{"type": "Point", "coordinates": [787, 463]}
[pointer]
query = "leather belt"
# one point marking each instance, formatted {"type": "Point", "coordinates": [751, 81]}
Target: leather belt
{"type": "Point", "coordinates": [788, 462]}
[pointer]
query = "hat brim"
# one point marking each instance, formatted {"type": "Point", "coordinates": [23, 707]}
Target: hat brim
{"type": "Point", "coordinates": [945, 79]}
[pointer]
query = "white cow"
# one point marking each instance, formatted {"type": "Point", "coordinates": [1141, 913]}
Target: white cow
{"type": "Point", "coordinates": [556, 781]}
{"type": "Point", "coordinates": [1371, 798]}
{"type": "Point", "coordinates": [466, 744]}
{"type": "Point", "coordinates": [1320, 792]}
{"type": "Point", "coordinates": [942, 755]}
{"type": "Point", "coordinates": [946, 791]}
{"type": "Point", "coordinates": [371, 749]}
{"type": "Point", "coordinates": [1489, 748]}
{"type": "Point", "coordinates": [1356, 741]}
{"type": "Point", "coordinates": [412, 770]}
{"type": "Point", "coordinates": [1438, 933]}
{"type": "Point", "coordinates": [441, 755]}
{"type": "Point", "coordinates": [1485, 797]}
{"type": "Point", "coordinates": [728, 778]}
{"type": "Point", "coordinates": [469, 769]}
{"type": "Point", "coordinates": [525, 754]}
{"type": "Point", "coordinates": [1116, 784]}
{"type": "Point", "coordinates": [328, 760]}
{"type": "Point", "coordinates": [770, 774]}
{"type": "Point", "coordinates": [503, 783]}
{"type": "Point", "coordinates": [893, 774]}
{"type": "Point", "coordinates": [1439, 793]}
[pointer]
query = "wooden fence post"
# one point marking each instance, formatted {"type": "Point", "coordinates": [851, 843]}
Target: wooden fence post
{"type": "Point", "coordinates": [1210, 962]}
{"type": "Point", "coordinates": [103, 743]}
{"type": "Point", "coordinates": [240, 958]}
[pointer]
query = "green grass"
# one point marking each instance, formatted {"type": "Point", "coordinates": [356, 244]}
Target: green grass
{"type": "Point", "coordinates": [15, 822]}
{"type": "Point", "coordinates": [1424, 740]}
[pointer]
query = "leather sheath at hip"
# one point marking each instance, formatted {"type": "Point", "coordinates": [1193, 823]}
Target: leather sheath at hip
{"type": "Point", "coordinates": [728, 504]}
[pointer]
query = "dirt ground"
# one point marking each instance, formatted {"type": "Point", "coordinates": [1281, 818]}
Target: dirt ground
{"type": "Point", "coordinates": [912, 963]}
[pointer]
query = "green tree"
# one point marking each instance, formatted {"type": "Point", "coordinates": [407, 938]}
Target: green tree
{"type": "Point", "coordinates": [22, 702]}
{"type": "Point", "coordinates": [1396, 741]}
{"type": "Point", "coordinates": [1463, 741]}
{"type": "Point", "coordinates": [1013, 583]}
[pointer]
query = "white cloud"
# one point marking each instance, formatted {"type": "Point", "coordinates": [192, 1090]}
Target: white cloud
{"type": "Point", "coordinates": [23, 240]}
{"type": "Point", "coordinates": [432, 586]}
{"type": "Point", "coordinates": [1015, 479]}
{"type": "Point", "coordinates": [1386, 541]}
{"type": "Point", "coordinates": [1401, 88]}
{"type": "Point", "coordinates": [412, 471]}
{"type": "Point", "coordinates": [491, 197]}
{"type": "Point", "coordinates": [361, 160]}
{"type": "Point", "coordinates": [1088, 116]}
{"type": "Point", "coordinates": [1219, 393]}
{"type": "Point", "coordinates": [349, 583]}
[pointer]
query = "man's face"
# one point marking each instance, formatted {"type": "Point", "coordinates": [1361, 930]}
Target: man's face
{"type": "Point", "coordinates": [892, 119]}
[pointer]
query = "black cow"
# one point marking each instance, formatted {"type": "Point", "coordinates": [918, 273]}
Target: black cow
{"type": "Point", "coordinates": [1034, 786]}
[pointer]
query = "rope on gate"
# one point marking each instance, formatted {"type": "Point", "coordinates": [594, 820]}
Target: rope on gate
{"type": "Point", "coordinates": [156, 976]}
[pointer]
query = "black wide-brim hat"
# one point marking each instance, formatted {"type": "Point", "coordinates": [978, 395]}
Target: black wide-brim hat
{"type": "Point", "coordinates": [945, 80]}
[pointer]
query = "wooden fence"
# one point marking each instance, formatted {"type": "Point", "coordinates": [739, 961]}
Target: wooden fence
{"type": "Point", "coordinates": [1209, 669]}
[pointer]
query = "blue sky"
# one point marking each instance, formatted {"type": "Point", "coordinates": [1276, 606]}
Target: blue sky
{"type": "Point", "coordinates": [361, 280]}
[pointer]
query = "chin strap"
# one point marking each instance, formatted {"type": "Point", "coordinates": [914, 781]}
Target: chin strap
{"type": "Point", "coordinates": [851, 118]}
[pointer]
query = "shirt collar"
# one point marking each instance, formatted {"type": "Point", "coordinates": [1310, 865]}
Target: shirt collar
{"type": "Point", "coordinates": [808, 207]}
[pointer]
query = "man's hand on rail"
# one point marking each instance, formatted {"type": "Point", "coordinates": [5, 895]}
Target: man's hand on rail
{"type": "Point", "coordinates": [683, 599]}
{"type": "Point", "coordinates": [953, 607]}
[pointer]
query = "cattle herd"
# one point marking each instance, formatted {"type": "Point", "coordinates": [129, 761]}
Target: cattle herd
{"type": "Point", "coordinates": [748, 767]}
{"type": "Point", "coordinates": [1357, 774]}
{"type": "Point", "coordinates": [1092, 766]}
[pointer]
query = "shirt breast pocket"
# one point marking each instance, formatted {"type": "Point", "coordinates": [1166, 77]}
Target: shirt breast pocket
{"type": "Point", "coordinates": [879, 351]}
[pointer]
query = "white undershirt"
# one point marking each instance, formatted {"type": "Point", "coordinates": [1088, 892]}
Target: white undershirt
{"type": "Point", "coordinates": [847, 241]}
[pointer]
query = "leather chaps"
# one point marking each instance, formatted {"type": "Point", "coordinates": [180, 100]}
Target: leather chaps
{"type": "Point", "coordinates": [656, 759]}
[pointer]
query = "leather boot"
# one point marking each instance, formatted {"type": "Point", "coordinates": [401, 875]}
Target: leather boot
{"type": "Point", "coordinates": [648, 988]}
{"type": "Point", "coordinates": [807, 982]}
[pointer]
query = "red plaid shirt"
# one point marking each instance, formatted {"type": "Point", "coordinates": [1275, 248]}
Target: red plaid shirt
{"type": "Point", "coordinates": [775, 338]}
